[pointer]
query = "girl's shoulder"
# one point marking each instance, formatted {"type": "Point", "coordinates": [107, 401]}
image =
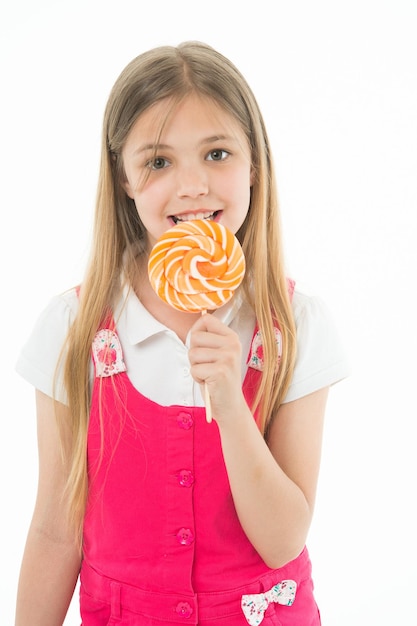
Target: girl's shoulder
{"type": "Point", "coordinates": [41, 352]}
{"type": "Point", "coordinates": [308, 307]}
{"type": "Point", "coordinates": [322, 358]}
{"type": "Point", "coordinates": [63, 305]}
{"type": "Point", "coordinates": [57, 316]}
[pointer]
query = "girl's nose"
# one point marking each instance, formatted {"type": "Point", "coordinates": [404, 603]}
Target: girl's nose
{"type": "Point", "coordinates": [191, 182]}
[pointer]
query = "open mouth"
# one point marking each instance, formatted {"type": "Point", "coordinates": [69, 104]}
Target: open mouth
{"type": "Point", "coordinates": [203, 215]}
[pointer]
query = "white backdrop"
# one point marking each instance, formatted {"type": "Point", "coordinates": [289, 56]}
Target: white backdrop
{"type": "Point", "coordinates": [337, 84]}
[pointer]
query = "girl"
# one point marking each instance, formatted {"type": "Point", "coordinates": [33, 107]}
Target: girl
{"type": "Point", "coordinates": [167, 518]}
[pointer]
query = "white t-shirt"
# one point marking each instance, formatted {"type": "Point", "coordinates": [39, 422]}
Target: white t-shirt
{"type": "Point", "coordinates": [157, 360]}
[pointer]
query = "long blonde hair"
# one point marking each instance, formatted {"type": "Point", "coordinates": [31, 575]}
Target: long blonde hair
{"type": "Point", "coordinates": [119, 236]}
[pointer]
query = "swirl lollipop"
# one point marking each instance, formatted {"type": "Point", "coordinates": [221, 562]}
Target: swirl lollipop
{"type": "Point", "coordinates": [196, 266]}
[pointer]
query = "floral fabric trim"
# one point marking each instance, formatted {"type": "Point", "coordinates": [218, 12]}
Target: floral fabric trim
{"type": "Point", "coordinates": [255, 605]}
{"type": "Point", "coordinates": [107, 353]}
{"type": "Point", "coordinates": [256, 354]}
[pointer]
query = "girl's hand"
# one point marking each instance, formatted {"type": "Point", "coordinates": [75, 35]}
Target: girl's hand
{"type": "Point", "coordinates": [215, 358]}
{"type": "Point", "coordinates": [273, 482]}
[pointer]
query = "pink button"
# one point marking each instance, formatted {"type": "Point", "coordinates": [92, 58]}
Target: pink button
{"type": "Point", "coordinates": [184, 609]}
{"type": "Point", "coordinates": [185, 537]}
{"type": "Point", "coordinates": [185, 420]}
{"type": "Point", "coordinates": [185, 478]}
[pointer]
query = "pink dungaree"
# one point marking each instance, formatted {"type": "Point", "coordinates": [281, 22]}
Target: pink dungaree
{"type": "Point", "coordinates": [162, 541]}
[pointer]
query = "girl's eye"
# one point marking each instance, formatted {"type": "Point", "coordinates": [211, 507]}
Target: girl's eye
{"type": "Point", "coordinates": [217, 155]}
{"type": "Point", "coordinates": [158, 163]}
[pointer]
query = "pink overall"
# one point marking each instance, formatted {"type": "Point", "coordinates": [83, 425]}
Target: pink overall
{"type": "Point", "coordinates": [162, 542]}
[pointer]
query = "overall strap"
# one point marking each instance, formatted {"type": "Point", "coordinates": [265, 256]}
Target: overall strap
{"type": "Point", "coordinates": [255, 356]}
{"type": "Point", "coordinates": [106, 348]}
{"type": "Point", "coordinates": [255, 359]}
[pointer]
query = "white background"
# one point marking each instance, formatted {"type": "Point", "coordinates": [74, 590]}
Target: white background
{"type": "Point", "coordinates": [337, 84]}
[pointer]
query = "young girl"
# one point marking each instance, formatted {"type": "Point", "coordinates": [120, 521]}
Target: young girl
{"type": "Point", "coordinates": [165, 517]}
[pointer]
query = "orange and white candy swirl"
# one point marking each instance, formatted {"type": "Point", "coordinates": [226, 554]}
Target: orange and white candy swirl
{"type": "Point", "coordinates": [196, 266]}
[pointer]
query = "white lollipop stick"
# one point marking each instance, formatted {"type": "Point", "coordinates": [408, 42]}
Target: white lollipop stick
{"type": "Point", "coordinates": [207, 401]}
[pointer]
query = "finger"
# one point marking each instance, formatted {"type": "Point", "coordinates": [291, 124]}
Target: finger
{"type": "Point", "coordinates": [210, 323]}
{"type": "Point", "coordinates": [204, 339]}
{"type": "Point", "coordinates": [201, 354]}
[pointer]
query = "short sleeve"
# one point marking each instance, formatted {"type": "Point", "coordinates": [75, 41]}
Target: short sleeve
{"type": "Point", "coordinates": [39, 361]}
{"type": "Point", "coordinates": [321, 357]}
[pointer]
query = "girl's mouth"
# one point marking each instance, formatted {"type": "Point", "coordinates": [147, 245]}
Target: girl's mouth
{"type": "Point", "coordinates": [202, 215]}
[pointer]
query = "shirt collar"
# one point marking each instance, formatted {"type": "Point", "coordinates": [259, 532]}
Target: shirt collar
{"type": "Point", "coordinates": [141, 325]}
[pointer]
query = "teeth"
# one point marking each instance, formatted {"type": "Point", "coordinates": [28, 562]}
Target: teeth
{"type": "Point", "coordinates": [193, 216]}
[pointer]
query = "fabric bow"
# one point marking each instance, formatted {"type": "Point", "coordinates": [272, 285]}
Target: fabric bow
{"type": "Point", "coordinates": [255, 604]}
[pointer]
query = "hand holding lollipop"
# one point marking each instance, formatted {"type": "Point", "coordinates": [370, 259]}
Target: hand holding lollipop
{"type": "Point", "coordinates": [196, 266]}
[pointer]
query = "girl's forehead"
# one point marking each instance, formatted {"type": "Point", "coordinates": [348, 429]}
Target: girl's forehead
{"type": "Point", "coordinates": [193, 110]}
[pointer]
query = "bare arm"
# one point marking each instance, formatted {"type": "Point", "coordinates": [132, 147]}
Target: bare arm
{"type": "Point", "coordinates": [273, 484]}
{"type": "Point", "coordinates": [51, 560]}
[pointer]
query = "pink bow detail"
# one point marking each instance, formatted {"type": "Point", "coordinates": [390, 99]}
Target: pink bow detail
{"type": "Point", "coordinates": [254, 605]}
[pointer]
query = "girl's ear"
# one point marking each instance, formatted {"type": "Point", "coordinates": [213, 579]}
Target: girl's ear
{"type": "Point", "coordinates": [120, 176]}
{"type": "Point", "coordinates": [128, 189]}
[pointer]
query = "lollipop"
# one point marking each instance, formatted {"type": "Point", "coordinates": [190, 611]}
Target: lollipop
{"type": "Point", "coordinates": [196, 266]}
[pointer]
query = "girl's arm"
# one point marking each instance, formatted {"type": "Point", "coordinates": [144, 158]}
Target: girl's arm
{"type": "Point", "coordinates": [51, 560]}
{"type": "Point", "coordinates": [273, 484]}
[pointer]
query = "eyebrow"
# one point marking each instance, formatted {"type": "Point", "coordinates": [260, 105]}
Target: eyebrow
{"type": "Point", "coordinates": [163, 146]}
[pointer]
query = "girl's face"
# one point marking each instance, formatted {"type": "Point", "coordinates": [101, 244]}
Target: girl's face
{"type": "Point", "coordinates": [199, 168]}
